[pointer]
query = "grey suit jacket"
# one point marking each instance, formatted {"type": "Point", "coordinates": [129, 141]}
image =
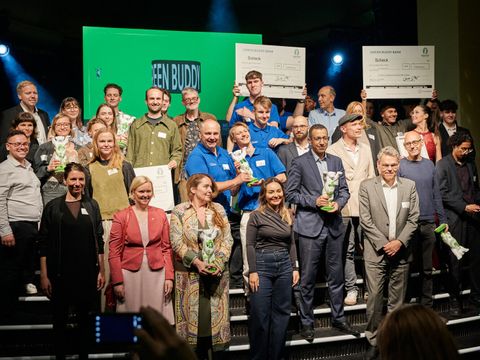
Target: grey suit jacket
{"type": "Point", "coordinates": [374, 218]}
{"type": "Point", "coordinates": [286, 154]}
{"type": "Point", "coordinates": [305, 185]}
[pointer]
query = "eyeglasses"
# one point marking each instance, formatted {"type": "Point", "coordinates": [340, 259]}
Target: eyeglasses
{"type": "Point", "coordinates": [62, 125]}
{"type": "Point", "coordinates": [71, 107]}
{"type": "Point", "coordinates": [466, 151]}
{"type": "Point", "coordinates": [191, 100]}
{"type": "Point", "coordinates": [19, 144]}
{"type": "Point", "coordinates": [412, 143]}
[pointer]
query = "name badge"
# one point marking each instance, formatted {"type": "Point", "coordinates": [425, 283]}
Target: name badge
{"type": "Point", "coordinates": [162, 135]}
{"type": "Point", "coordinates": [112, 171]}
{"type": "Point", "coordinates": [225, 167]}
{"type": "Point", "coordinates": [371, 136]}
{"type": "Point", "coordinates": [43, 157]}
{"type": "Point", "coordinates": [84, 211]}
{"type": "Point", "coordinates": [405, 204]}
{"type": "Point", "coordinates": [260, 163]}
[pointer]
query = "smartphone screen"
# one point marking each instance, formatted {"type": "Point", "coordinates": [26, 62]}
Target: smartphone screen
{"type": "Point", "coordinates": [116, 328]}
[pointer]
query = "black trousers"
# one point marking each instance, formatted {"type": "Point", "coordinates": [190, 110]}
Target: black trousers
{"type": "Point", "coordinates": [17, 265]}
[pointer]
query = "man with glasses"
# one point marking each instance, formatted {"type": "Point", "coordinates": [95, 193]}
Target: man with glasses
{"type": "Point", "coordinates": [458, 181]}
{"type": "Point", "coordinates": [422, 172]}
{"type": "Point", "coordinates": [318, 229]}
{"type": "Point", "coordinates": [389, 213]}
{"type": "Point", "coordinates": [28, 95]}
{"type": "Point", "coordinates": [300, 144]}
{"type": "Point", "coordinates": [189, 133]}
{"type": "Point", "coordinates": [20, 211]}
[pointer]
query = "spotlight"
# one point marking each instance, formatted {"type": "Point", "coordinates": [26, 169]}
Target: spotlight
{"type": "Point", "coordinates": [337, 59]}
{"type": "Point", "coordinates": [4, 50]}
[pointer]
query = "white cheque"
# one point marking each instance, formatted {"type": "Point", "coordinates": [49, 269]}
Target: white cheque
{"type": "Point", "coordinates": [161, 177]}
{"type": "Point", "coordinates": [398, 72]}
{"type": "Point", "coordinates": [282, 67]}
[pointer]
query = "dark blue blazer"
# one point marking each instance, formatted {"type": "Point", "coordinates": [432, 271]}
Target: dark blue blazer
{"type": "Point", "coordinates": [305, 185]}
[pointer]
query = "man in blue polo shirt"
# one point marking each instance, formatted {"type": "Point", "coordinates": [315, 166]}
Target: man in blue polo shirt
{"type": "Point", "coordinates": [209, 158]}
{"type": "Point", "coordinates": [243, 111]}
{"type": "Point", "coordinates": [264, 164]}
{"type": "Point", "coordinates": [263, 135]}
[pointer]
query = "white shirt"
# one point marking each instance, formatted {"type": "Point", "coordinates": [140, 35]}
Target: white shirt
{"type": "Point", "coordinates": [354, 154]}
{"type": "Point", "coordinates": [302, 150]}
{"type": "Point", "coordinates": [391, 197]}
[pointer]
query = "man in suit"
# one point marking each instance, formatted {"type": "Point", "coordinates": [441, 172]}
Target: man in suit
{"type": "Point", "coordinates": [458, 182]}
{"type": "Point", "coordinates": [358, 164]}
{"type": "Point", "coordinates": [318, 229]}
{"type": "Point", "coordinates": [28, 95]}
{"type": "Point", "coordinates": [389, 212]}
{"type": "Point", "coordinates": [449, 126]}
{"type": "Point", "coordinates": [299, 146]}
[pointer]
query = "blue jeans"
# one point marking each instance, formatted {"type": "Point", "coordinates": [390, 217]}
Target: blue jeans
{"type": "Point", "coordinates": [270, 306]}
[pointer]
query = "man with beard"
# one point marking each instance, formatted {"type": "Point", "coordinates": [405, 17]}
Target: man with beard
{"type": "Point", "coordinates": [300, 144]}
{"type": "Point", "coordinates": [154, 139]}
{"type": "Point", "coordinates": [189, 133]}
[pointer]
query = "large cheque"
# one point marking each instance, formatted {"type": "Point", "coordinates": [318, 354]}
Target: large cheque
{"type": "Point", "coordinates": [161, 177]}
{"type": "Point", "coordinates": [398, 72]}
{"type": "Point", "coordinates": [282, 67]}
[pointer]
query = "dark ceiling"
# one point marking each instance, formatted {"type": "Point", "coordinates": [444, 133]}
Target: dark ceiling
{"type": "Point", "coordinates": [46, 37]}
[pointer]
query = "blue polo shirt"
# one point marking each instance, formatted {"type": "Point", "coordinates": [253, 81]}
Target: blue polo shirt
{"type": "Point", "coordinates": [249, 105]}
{"type": "Point", "coordinates": [220, 167]}
{"type": "Point", "coordinates": [265, 164]}
{"type": "Point", "coordinates": [261, 137]}
{"type": "Point", "coordinates": [283, 120]}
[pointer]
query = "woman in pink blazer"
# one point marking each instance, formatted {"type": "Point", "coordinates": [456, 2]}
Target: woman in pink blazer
{"type": "Point", "coordinates": [141, 255]}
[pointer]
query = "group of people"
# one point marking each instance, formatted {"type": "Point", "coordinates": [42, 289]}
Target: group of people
{"type": "Point", "coordinates": [257, 214]}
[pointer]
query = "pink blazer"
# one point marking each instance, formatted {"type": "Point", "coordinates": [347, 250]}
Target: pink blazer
{"type": "Point", "coordinates": [126, 247]}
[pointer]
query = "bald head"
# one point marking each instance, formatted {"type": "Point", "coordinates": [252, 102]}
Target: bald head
{"type": "Point", "coordinates": [210, 133]}
{"type": "Point", "coordinates": [413, 144]}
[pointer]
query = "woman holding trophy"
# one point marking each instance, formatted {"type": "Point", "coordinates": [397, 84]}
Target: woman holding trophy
{"type": "Point", "coordinates": [201, 240]}
{"type": "Point", "coordinates": [52, 156]}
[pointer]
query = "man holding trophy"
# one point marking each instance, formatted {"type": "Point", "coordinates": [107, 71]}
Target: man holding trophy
{"type": "Point", "coordinates": [319, 225]}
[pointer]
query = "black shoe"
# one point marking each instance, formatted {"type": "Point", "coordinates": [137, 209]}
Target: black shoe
{"type": "Point", "coordinates": [371, 353]}
{"type": "Point", "coordinates": [345, 327]}
{"type": "Point", "coordinates": [308, 333]}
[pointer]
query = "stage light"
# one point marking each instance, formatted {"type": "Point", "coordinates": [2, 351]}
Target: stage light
{"type": "Point", "coordinates": [337, 59]}
{"type": "Point", "coordinates": [4, 50]}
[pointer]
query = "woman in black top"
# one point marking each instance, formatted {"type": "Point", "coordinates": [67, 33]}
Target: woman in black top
{"type": "Point", "coordinates": [71, 258]}
{"type": "Point", "coordinates": [272, 260]}
{"type": "Point", "coordinates": [25, 122]}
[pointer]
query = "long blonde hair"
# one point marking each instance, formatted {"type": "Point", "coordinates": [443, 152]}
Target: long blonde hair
{"type": "Point", "coordinates": [116, 161]}
{"type": "Point", "coordinates": [351, 106]}
{"type": "Point", "coordinates": [193, 182]}
{"type": "Point", "coordinates": [284, 212]}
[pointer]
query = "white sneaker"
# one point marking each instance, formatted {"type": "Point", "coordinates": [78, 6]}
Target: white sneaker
{"type": "Point", "coordinates": [31, 289]}
{"type": "Point", "coordinates": [351, 298]}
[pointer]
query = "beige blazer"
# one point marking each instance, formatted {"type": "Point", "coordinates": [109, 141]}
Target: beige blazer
{"type": "Point", "coordinates": [354, 174]}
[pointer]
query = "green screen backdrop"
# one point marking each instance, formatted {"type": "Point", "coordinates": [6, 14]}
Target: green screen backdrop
{"type": "Point", "coordinates": [134, 58]}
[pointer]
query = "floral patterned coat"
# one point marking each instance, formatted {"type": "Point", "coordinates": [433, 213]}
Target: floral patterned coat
{"type": "Point", "coordinates": [185, 244]}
